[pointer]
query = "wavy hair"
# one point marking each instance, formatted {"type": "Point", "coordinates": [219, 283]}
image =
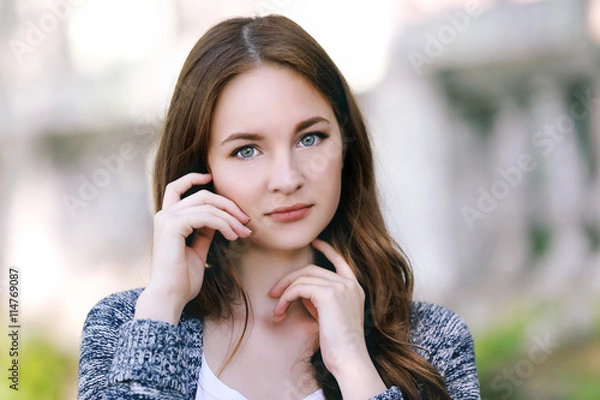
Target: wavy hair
{"type": "Point", "coordinates": [357, 230]}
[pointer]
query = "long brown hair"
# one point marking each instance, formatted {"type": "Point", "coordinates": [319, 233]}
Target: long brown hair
{"type": "Point", "coordinates": [357, 230]}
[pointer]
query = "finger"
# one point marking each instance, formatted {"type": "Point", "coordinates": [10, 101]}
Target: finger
{"type": "Point", "coordinates": [207, 197]}
{"type": "Point", "coordinates": [296, 292]}
{"type": "Point", "coordinates": [176, 188]}
{"type": "Point", "coordinates": [340, 264]}
{"type": "Point", "coordinates": [305, 279]}
{"type": "Point", "coordinates": [208, 216]}
{"type": "Point", "coordinates": [309, 270]}
{"type": "Point", "coordinates": [184, 222]}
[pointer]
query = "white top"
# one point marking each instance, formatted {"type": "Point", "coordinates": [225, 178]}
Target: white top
{"type": "Point", "coordinates": [211, 388]}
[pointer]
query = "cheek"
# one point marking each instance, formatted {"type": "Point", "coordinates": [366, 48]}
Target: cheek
{"type": "Point", "coordinates": [233, 183]}
{"type": "Point", "coordinates": [335, 173]}
{"type": "Point", "coordinates": [324, 169]}
{"type": "Point", "coordinates": [221, 178]}
{"type": "Point", "coordinates": [224, 186]}
{"type": "Point", "coordinates": [325, 162]}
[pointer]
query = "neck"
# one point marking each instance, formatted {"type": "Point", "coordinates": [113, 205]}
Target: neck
{"type": "Point", "coordinates": [260, 269]}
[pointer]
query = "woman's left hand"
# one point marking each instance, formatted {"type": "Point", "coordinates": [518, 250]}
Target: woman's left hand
{"type": "Point", "coordinates": [336, 300]}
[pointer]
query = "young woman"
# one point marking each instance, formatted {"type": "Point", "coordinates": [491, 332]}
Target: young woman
{"type": "Point", "coordinates": [273, 275]}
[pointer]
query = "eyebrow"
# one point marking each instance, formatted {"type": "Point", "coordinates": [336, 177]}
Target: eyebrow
{"type": "Point", "coordinates": [300, 126]}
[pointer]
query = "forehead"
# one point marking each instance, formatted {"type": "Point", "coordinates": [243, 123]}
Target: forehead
{"type": "Point", "coordinates": [266, 98]}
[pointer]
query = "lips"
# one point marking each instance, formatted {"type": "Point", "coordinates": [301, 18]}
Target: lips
{"type": "Point", "coordinates": [291, 213]}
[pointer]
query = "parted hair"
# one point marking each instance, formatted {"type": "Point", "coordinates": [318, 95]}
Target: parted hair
{"type": "Point", "coordinates": [357, 230]}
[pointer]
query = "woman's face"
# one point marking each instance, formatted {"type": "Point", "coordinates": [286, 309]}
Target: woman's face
{"type": "Point", "coordinates": [276, 151]}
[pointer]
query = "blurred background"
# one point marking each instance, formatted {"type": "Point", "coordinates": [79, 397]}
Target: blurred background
{"type": "Point", "coordinates": [485, 117]}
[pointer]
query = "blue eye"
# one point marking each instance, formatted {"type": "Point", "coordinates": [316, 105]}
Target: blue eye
{"type": "Point", "coordinates": [245, 152]}
{"type": "Point", "coordinates": [311, 139]}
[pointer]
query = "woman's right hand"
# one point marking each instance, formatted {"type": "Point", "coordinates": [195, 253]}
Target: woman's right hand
{"type": "Point", "coordinates": [178, 269]}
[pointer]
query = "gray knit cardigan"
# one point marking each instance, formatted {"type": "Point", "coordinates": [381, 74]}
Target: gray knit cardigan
{"type": "Point", "coordinates": [122, 358]}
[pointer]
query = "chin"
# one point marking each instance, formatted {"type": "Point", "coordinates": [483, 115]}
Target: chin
{"type": "Point", "coordinates": [290, 245]}
{"type": "Point", "coordinates": [285, 242]}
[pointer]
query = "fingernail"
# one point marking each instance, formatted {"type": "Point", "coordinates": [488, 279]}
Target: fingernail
{"type": "Point", "coordinates": [248, 230]}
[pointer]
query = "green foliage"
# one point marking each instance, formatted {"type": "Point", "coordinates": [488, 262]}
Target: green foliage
{"type": "Point", "coordinates": [540, 239]}
{"type": "Point", "coordinates": [45, 371]}
{"type": "Point", "coordinates": [507, 370]}
{"type": "Point", "coordinates": [586, 388]}
{"type": "Point", "coordinates": [496, 349]}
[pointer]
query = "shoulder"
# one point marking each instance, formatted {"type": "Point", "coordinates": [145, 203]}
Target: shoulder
{"type": "Point", "coordinates": [442, 337]}
{"type": "Point", "coordinates": [435, 327]}
{"type": "Point", "coordinates": [424, 315]}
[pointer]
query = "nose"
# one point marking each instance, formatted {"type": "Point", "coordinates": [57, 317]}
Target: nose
{"type": "Point", "coordinates": [286, 175]}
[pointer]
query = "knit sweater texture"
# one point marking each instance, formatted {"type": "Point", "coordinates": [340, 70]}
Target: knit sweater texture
{"type": "Point", "coordinates": [122, 358]}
